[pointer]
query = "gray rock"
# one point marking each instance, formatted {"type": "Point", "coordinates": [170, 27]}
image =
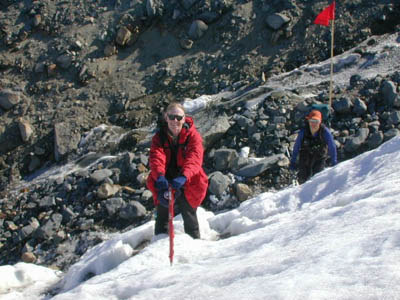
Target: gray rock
{"type": "Point", "coordinates": [197, 29]}
{"type": "Point", "coordinates": [257, 138]}
{"type": "Point", "coordinates": [132, 211]}
{"type": "Point", "coordinates": [123, 36]}
{"type": "Point", "coordinates": [114, 205]}
{"type": "Point", "coordinates": [374, 126]}
{"type": "Point", "coordinates": [243, 121]}
{"type": "Point", "coordinates": [68, 214]}
{"type": "Point", "coordinates": [218, 183]}
{"type": "Point", "coordinates": [276, 21]}
{"type": "Point", "coordinates": [388, 90]}
{"type": "Point", "coordinates": [239, 163]}
{"type": "Point", "coordinates": [375, 139]}
{"type": "Point", "coordinates": [354, 143]}
{"type": "Point", "coordinates": [25, 129]}
{"type": "Point", "coordinates": [223, 158]}
{"type": "Point", "coordinates": [85, 224]}
{"type": "Point", "coordinates": [279, 120]}
{"type": "Point", "coordinates": [99, 176]}
{"type": "Point", "coordinates": [50, 228]}
{"type": "Point", "coordinates": [391, 133]}
{"type": "Point", "coordinates": [8, 99]}
{"type": "Point", "coordinates": [40, 67]}
{"type": "Point", "coordinates": [64, 61]}
{"type": "Point", "coordinates": [26, 231]}
{"type": "Point", "coordinates": [34, 163]}
{"type": "Point", "coordinates": [47, 202]}
{"type": "Point", "coordinates": [28, 246]}
{"type": "Point", "coordinates": [59, 236]}
{"type": "Point", "coordinates": [212, 129]}
{"type": "Point", "coordinates": [65, 140]}
{"type": "Point", "coordinates": [343, 105]}
{"type": "Point", "coordinates": [256, 168]}
{"type": "Point", "coordinates": [360, 108]}
{"type": "Point", "coordinates": [394, 117]}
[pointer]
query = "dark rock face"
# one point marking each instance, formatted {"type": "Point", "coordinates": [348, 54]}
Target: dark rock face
{"type": "Point", "coordinates": [82, 84]}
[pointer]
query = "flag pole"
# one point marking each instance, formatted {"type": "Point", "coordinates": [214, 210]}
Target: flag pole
{"type": "Point", "coordinates": [323, 18]}
{"type": "Point", "coordinates": [330, 84]}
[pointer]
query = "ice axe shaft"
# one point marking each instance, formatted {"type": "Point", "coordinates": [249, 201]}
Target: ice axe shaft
{"type": "Point", "coordinates": [295, 182]}
{"type": "Point", "coordinates": [171, 225]}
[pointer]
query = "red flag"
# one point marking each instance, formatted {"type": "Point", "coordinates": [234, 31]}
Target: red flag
{"type": "Point", "coordinates": [326, 15]}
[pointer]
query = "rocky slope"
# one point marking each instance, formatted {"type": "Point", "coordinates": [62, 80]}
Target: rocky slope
{"type": "Point", "coordinates": [68, 67]}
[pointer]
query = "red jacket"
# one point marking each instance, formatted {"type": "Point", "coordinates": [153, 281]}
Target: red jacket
{"type": "Point", "coordinates": [189, 160]}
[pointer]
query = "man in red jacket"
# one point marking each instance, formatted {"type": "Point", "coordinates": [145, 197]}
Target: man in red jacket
{"type": "Point", "coordinates": [176, 158]}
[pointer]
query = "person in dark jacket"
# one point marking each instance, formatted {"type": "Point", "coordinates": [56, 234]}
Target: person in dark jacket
{"type": "Point", "coordinates": [314, 143]}
{"type": "Point", "coordinates": [176, 158]}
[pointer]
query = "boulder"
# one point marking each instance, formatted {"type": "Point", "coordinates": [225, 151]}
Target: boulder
{"type": "Point", "coordinates": [8, 99]}
{"type": "Point", "coordinates": [25, 129]}
{"type": "Point", "coordinates": [255, 168]}
{"type": "Point", "coordinates": [224, 158]}
{"type": "Point", "coordinates": [276, 21]}
{"type": "Point", "coordinates": [197, 29]}
{"type": "Point", "coordinates": [123, 36]}
{"type": "Point", "coordinates": [353, 143]}
{"type": "Point", "coordinates": [65, 140]}
{"type": "Point", "coordinates": [218, 183]}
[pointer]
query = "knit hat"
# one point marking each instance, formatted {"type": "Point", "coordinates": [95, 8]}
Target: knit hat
{"type": "Point", "coordinates": [315, 115]}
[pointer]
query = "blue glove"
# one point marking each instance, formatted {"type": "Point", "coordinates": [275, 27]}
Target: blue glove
{"type": "Point", "coordinates": [162, 183]}
{"type": "Point", "coordinates": [178, 182]}
{"type": "Point", "coordinates": [162, 196]}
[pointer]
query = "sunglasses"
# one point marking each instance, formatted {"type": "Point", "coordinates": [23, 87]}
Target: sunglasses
{"type": "Point", "coordinates": [313, 121]}
{"type": "Point", "coordinates": [177, 117]}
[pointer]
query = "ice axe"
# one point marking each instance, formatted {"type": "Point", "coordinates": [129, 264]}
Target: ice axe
{"type": "Point", "coordinates": [171, 224]}
{"type": "Point", "coordinates": [292, 174]}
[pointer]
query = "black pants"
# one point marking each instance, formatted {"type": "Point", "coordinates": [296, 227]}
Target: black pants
{"type": "Point", "coordinates": [309, 165]}
{"type": "Point", "coordinates": [190, 222]}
